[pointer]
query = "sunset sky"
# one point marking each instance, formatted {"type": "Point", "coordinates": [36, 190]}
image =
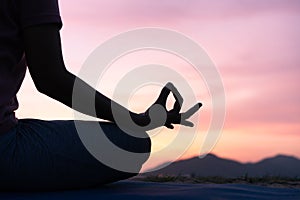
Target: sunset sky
{"type": "Point", "coordinates": [255, 45]}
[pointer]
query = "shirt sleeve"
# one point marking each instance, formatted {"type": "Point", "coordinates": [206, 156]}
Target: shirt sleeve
{"type": "Point", "coordinates": [36, 12]}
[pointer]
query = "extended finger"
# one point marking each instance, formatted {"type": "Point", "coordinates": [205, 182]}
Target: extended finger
{"type": "Point", "coordinates": [187, 123]}
{"type": "Point", "coordinates": [170, 126]}
{"type": "Point", "coordinates": [191, 111]}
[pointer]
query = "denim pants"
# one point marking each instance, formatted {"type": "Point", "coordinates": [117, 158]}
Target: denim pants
{"type": "Point", "coordinates": [39, 155]}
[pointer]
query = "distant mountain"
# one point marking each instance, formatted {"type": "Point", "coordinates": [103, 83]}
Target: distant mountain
{"type": "Point", "coordinates": [211, 165]}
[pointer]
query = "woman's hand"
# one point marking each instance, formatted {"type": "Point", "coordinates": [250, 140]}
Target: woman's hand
{"type": "Point", "coordinates": [169, 117]}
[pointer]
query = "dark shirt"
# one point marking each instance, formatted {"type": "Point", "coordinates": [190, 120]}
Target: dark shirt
{"type": "Point", "coordinates": [15, 15]}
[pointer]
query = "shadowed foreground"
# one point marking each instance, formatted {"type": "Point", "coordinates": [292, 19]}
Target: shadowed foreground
{"type": "Point", "coordinates": [136, 190]}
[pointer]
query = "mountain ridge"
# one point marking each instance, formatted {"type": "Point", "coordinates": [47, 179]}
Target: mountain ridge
{"type": "Point", "coordinates": [212, 165]}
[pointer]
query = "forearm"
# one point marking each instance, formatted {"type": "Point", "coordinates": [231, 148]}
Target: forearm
{"type": "Point", "coordinates": [62, 90]}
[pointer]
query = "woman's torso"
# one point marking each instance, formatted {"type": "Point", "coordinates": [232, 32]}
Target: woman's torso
{"type": "Point", "coordinates": [12, 63]}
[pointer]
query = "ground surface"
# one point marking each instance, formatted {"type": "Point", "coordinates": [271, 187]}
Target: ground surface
{"type": "Point", "coordinates": [147, 190]}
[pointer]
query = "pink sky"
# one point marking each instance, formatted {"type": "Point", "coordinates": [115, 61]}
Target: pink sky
{"type": "Point", "coordinates": [254, 43]}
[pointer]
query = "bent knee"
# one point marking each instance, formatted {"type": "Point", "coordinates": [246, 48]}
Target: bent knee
{"type": "Point", "coordinates": [137, 142]}
{"type": "Point", "coordinates": [142, 142]}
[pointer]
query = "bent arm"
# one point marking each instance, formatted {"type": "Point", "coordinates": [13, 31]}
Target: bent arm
{"type": "Point", "coordinates": [50, 76]}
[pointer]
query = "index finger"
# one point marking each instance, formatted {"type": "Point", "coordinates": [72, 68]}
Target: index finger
{"type": "Point", "coordinates": [163, 96]}
{"type": "Point", "coordinates": [179, 100]}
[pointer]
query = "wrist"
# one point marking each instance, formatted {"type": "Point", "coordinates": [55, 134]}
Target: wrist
{"type": "Point", "coordinates": [141, 119]}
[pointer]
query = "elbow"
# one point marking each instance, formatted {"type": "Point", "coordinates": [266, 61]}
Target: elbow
{"type": "Point", "coordinates": [55, 86]}
{"type": "Point", "coordinates": [46, 84]}
{"type": "Point", "coordinates": [42, 87]}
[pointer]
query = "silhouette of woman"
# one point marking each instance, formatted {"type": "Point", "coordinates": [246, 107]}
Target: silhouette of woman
{"type": "Point", "coordinates": [49, 155]}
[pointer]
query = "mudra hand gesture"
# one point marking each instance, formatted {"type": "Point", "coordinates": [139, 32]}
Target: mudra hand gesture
{"type": "Point", "coordinates": [158, 115]}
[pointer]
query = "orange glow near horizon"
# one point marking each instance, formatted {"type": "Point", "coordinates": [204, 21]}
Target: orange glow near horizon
{"type": "Point", "coordinates": [255, 45]}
